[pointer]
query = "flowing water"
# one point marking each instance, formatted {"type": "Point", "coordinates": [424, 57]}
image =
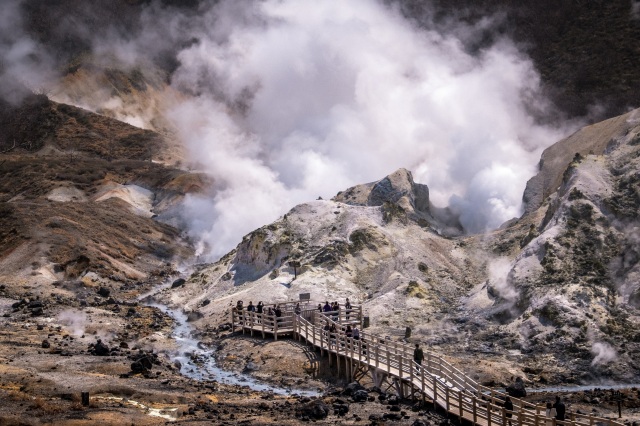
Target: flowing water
{"type": "Point", "coordinates": [198, 362]}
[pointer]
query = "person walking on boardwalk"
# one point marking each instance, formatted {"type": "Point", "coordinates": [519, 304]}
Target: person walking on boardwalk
{"type": "Point", "coordinates": [347, 308]}
{"type": "Point", "coordinates": [550, 413]}
{"type": "Point", "coordinates": [336, 311]}
{"type": "Point", "coordinates": [560, 409]}
{"type": "Point", "coordinates": [259, 307]}
{"type": "Point", "coordinates": [298, 309]}
{"type": "Point", "coordinates": [356, 332]}
{"type": "Point", "coordinates": [278, 312]}
{"type": "Point", "coordinates": [326, 308]}
{"type": "Point", "coordinates": [418, 355]}
{"type": "Point", "coordinates": [508, 408]}
{"type": "Point", "coordinates": [251, 307]}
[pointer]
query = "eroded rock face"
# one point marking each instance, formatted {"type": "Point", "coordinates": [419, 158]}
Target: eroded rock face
{"type": "Point", "coordinates": [398, 188]}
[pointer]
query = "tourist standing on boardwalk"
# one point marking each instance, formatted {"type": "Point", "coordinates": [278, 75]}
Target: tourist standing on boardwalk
{"type": "Point", "coordinates": [327, 307]}
{"type": "Point", "coordinates": [251, 307]}
{"type": "Point", "coordinates": [278, 313]}
{"type": "Point", "coordinates": [418, 355]}
{"type": "Point", "coordinates": [259, 307]}
{"type": "Point", "coordinates": [297, 310]}
{"type": "Point", "coordinates": [550, 413]}
{"type": "Point", "coordinates": [356, 333]}
{"type": "Point", "coordinates": [347, 308]}
{"type": "Point", "coordinates": [560, 409]}
{"type": "Point", "coordinates": [508, 407]}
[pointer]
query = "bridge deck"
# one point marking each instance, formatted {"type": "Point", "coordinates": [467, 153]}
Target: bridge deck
{"type": "Point", "coordinates": [436, 379]}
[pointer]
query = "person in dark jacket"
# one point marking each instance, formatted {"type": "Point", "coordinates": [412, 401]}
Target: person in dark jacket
{"type": "Point", "coordinates": [560, 409]}
{"type": "Point", "coordinates": [508, 407]}
{"type": "Point", "coordinates": [278, 312]}
{"type": "Point", "coordinates": [418, 355]}
{"type": "Point", "coordinates": [259, 308]}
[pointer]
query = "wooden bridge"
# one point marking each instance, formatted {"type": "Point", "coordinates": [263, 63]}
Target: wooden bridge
{"type": "Point", "coordinates": [390, 366]}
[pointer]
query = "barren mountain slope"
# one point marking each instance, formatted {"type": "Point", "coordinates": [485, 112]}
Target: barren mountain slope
{"type": "Point", "coordinates": [78, 195]}
{"type": "Point", "coordinates": [554, 292]}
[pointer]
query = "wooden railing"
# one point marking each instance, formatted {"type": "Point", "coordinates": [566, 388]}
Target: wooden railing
{"type": "Point", "coordinates": [437, 379]}
{"type": "Point", "coordinates": [270, 323]}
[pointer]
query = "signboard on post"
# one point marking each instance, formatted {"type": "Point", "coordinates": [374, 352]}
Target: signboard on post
{"type": "Point", "coordinates": [305, 297]}
{"type": "Point", "coordinates": [295, 264]}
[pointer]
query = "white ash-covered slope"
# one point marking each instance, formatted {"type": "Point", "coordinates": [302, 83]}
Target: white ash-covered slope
{"type": "Point", "coordinates": [554, 293]}
{"type": "Point", "coordinates": [382, 249]}
{"type": "Point", "coordinates": [576, 281]}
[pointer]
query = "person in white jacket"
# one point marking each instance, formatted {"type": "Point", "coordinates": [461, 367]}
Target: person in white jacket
{"type": "Point", "coordinates": [550, 413]}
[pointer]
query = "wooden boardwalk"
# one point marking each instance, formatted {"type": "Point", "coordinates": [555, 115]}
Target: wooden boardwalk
{"type": "Point", "coordinates": [391, 364]}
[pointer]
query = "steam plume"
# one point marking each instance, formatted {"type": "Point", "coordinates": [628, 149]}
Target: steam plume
{"type": "Point", "coordinates": [285, 101]}
{"type": "Point", "coordinates": [74, 320]}
{"type": "Point", "coordinates": [603, 353]}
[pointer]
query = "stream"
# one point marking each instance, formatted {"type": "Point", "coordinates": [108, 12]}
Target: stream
{"type": "Point", "coordinates": [198, 362]}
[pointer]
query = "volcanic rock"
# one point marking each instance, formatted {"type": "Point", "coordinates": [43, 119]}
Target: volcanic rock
{"type": "Point", "coordinates": [517, 388]}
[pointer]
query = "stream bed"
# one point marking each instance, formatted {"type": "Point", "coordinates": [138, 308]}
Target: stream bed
{"type": "Point", "coordinates": [198, 361]}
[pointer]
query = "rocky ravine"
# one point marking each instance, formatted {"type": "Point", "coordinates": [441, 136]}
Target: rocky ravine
{"type": "Point", "coordinates": [551, 296]}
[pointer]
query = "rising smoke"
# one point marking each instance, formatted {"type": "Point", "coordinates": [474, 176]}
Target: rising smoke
{"type": "Point", "coordinates": [295, 102]}
{"type": "Point", "coordinates": [285, 101]}
{"type": "Point", "coordinates": [74, 320]}
{"type": "Point", "coordinates": [603, 353]}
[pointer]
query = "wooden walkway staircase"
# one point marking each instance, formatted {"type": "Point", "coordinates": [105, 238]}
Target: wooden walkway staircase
{"type": "Point", "coordinates": [391, 363]}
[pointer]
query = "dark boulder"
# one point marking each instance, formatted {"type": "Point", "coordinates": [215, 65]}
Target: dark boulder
{"type": "Point", "coordinates": [99, 349]}
{"type": "Point", "coordinates": [316, 409]}
{"type": "Point", "coordinates": [194, 316]}
{"type": "Point", "coordinates": [46, 344]}
{"type": "Point", "coordinates": [104, 292]}
{"type": "Point", "coordinates": [360, 395]}
{"type": "Point", "coordinates": [517, 389]}
{"type": "Point", "coordinates": [179, 282]}
{"type": "Point", "coordinates": [340, 409]}
{"type": "Point", "coordinates": [352, 387]}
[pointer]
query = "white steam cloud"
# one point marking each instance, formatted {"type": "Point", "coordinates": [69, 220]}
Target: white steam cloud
{"type": "Point", "coordinates": [22, 60]}
{"type": "Point", "coordinates": [296, 101]}
{"type": "Point", "coordinates": [74, 320]}
{"type": "Point", "coordinates": [284, 101]}
{"type": "Point", "coordinates": [499, 270]}
{"type": "Point", "coordinates": [603, 353]}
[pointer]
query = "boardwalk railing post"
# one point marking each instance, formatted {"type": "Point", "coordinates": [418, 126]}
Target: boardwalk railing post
{"type": "Point", "coordinates": [446, 397]}
{"type": "Point", "coordinates": [489, 413]}
{"type": "Point", "coordinates": [435, 391]}
{"type": "Point", "coordinates": [275, 327]}
{"type": "Point", "coordinates": [475, 411]}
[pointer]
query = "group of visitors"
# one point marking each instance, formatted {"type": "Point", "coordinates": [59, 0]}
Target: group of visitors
{"type": "Point", "coordinates": [333, 309]}
{"type": "Point", "coordinates": [276, 310]}
{"type": "Point", "coordinates": [555, 411]}
{"type": "Point", "coordinates": [331, 332]}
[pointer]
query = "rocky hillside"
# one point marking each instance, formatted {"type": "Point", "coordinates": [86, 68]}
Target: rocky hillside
{"type": "Point", "coordinates": [78, 196]}
{"type": "Point", "coordinates": [554, 293]}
